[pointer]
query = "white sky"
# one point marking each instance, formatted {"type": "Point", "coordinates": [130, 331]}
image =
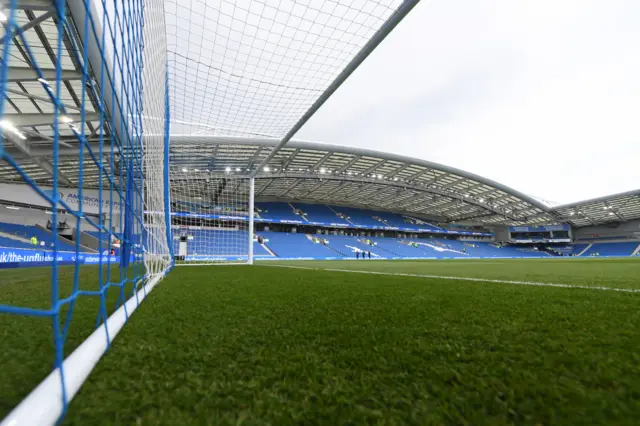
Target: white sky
{"type": "Point", "coordinates": [543, 96]}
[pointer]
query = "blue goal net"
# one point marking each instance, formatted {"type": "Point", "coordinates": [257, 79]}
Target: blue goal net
{"type": "Point", "coordinates": [84, 180]}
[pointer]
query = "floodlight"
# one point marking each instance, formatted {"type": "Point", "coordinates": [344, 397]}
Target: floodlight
{"type": "Point", "coordinates": [7, 125]}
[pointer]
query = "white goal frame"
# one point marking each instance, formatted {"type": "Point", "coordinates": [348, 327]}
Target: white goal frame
{"type": "Point", "coordinates": [247, 221]}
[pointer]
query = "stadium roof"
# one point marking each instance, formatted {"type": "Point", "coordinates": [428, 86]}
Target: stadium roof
{"type": "Point", "coordinates": [321, 173]}
{"type": "Point", "coordinates": [612, 208]}
{"type": "Point", "coordinates": [29, 110]}
{"type": "Point", "coordinates": [301, 171]}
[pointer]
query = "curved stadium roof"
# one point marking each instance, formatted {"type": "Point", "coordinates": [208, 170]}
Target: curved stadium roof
{"type": "Point", "coordinates": [330, 174]}
{"type": "Point", "coordinates": [322, 173]}
{"type": "Point", "coordinates": [300, 171]}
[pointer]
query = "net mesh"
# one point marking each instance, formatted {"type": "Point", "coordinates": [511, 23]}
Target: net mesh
{"type": "Point", "coordinates": [83, 85]}
{"type": "Point", "coordinates": [254, 67]}
{"type": "Point", "coordinates": [210, 215]}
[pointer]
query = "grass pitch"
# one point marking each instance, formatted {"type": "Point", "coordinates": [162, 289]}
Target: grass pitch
{"type": "Point", "coordinates": [269, 345]}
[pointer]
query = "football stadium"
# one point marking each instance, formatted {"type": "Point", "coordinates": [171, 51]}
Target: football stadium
{"type": "Point", "coordinates": [171, 253]}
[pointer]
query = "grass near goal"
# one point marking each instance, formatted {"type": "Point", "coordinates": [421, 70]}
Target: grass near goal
{"type": "Point", "coordinates": [265, 344]}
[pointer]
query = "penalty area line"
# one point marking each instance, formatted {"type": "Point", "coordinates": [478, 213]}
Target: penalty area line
{"type": "Point", "coordinates": [473, 279]}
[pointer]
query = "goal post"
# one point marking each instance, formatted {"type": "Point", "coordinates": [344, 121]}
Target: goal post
{"type": "Point", "coordinates": [88, 153]}
{"type": "Point", "coordinates": [252, 233]}
{"type": "Point", "coordinates": [211, 218]}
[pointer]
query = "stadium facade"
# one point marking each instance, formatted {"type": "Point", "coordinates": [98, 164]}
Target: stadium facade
{"type": "Point", "coordinates": [305, 197]}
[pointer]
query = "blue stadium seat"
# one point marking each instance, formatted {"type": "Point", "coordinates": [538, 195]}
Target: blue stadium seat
{"type": "Point", "coordinates": [297, 246]}
{"type": "Point", "coordinates": [611, 249]}
{"type": "Point", "coordinates": [28, 231]}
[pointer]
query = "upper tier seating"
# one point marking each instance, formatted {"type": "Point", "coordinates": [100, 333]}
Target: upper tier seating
{"type": "Point", "coordinates": [320, 213]}
{"type": "Point", "coordinates": [302, 213]}
{"type": "Point", "coordinates": [358, 217]}
{"type": "Point", "coordinates": [277, 211]}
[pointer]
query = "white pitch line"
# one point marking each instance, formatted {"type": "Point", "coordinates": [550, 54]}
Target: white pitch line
{"type": "Point", "coordinates": [484, 280]}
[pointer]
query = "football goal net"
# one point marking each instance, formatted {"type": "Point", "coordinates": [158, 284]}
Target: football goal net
{"type": "Point", "coordinates": [211, 218]}
{"type": "Point", "coordinates": [90, 92]}
{"type": "Point", "coordinates": [84, 159]}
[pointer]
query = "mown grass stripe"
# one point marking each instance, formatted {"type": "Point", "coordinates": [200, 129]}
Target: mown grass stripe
{"type": "Point", "coordinates": [474, 279]}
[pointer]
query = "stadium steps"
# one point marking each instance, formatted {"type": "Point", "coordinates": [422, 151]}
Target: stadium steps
{"type": "Point", "coordinates": [264, 246]}
{"type": "Point", "coordinates": [343, 218]}
{"type": "Point", "coordinates": [15, 237]}
{"type": "Point", "coordinates": [312, 237]}
{"type": "Point", "coordinates": [82, 247]}
{"type": "Point", "coordinates": [388, 251]}
{"type": "Point", "coordinates": [585, 249]}
{"type": "Point", "coordinates": [89, 241]}
{"type": "Point", "coordinates": [294, 208]}
{"type": "Point", "coordinates": [336, 251]}
{"type": "Point", "coordinates": [378, 247]}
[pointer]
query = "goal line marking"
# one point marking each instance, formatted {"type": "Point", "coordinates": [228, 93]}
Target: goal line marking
{"type": "Point", "coordinates": [474, 279]}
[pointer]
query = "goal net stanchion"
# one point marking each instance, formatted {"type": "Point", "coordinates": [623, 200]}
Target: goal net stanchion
{"type": "Point", "coordinates": [211, 217]}
{"type": "Point", "coordinates": [252, 232]}
{"type": "Point", "coordinates": [105, 130]}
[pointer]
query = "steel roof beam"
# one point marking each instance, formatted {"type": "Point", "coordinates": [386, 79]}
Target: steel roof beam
{"type": "Point", "coordinates": [290, 159]}
{"type": "Point", "coordinates": [321, 161]}
{"type": "Point", "coordinates": [340, 186]}
{"type": "Point", "coordinates": [314, 188]}
{"type": "Point", "coordinates": [374, 167]}
{"type": "Point", "coordinates": [399, 170]}
{"type": "Point", "coordinates": [16, 74]}
{"type": "Point", "coordinates": [26, 27]}
{"type": "Point", "coordinates": [45, 5]}
{"type": "Point", "coordinates": [265, 187]}
{"type": "Point", "coordinates": [398, 200]}
{"type": "Point", "coordinates": [38, 98]}
{"type": "Point", "coordinates": [290, 188]}
{"type": "Point", "coordinates": [44, 164]}
{"type": "Point", "coordinates": [36, 119]}
{"type": "Point", "coordinates": [351, 162]}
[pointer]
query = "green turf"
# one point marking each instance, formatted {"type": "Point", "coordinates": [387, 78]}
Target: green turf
{"type": "Point", "coordinates": [607, 272]}
{"type": "Point", "coordinates": [269, 345]}
{"type": "Point", "coordinates": [26, 343]}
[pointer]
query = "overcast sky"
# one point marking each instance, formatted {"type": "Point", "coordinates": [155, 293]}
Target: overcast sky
{"type": "Point", "coordinates": [543, 96]}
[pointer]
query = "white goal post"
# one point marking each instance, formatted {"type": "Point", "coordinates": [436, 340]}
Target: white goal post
{"type": "Point", "coordinates": [211, 217]}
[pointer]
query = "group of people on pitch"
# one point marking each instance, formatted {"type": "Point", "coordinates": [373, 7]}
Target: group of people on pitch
{"type": "Point", "coordinates": [364, 254]}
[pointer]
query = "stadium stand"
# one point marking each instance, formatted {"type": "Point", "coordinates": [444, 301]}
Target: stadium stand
{"type": "Point", "coordinates": [320, 213]}
{"type": "Point", "coordinates": [339, 216]}
{"type": "Point", "coordinates": [13, 243]}
{"type": "Point", "coordinates": [278, 211]}
{"type": "Point", "coordinates": [293, 245]}
{"type": "Point", "coordinates": [611, 249]}
{"type": "Point", "coordinates": [28, 231]}
{"type": "Point", "coordinates": [297, 246]}
{"type": "Point", "coordinates": [218, 242]}
{"type": "Point", "coordinates": [576, 249]}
